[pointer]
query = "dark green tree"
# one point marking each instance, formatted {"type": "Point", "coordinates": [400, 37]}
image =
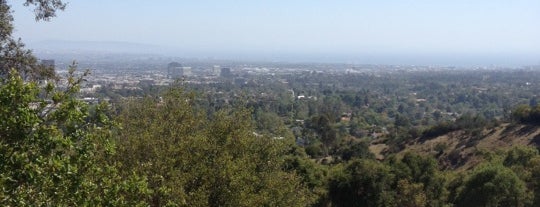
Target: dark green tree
{"type": "Point", "coordinates": [493, 185]}
{"type": "Point", "coordinates": [362, 183]}
{"type": "Point", "coordinates": [13, 55]}
{"type": "Point", "coordinates": [53, 152]}
{"type": "Point", "coordinates": [423, 170]}
{"type": "Point", "coordinates": [194, 160]}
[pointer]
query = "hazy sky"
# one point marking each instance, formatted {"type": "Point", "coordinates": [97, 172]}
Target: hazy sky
{"type": "Point", "coordinates": [340, 27]}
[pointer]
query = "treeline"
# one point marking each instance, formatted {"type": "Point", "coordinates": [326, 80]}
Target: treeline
{"type": "Point", "coordinates": [56, 150]}
{"type": "Point", "coordinates": [327, 112]}
{"type": "Point", "coordinates": [469, 123]}
{"type": "Point", "coordinates": [527, 114]}
{"type": "Point", "coordinates": [253, 146]}
{"type": "Point", "coordinates": [413, 180]}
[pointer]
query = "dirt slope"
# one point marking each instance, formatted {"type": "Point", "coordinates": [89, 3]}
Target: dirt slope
{"type": "Point", "coordinates": [462, 150]}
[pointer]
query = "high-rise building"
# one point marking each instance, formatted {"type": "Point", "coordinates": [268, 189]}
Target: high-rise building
{"type": "Point", "coordinates": [175, 70]}
{"type": "Point", "coordinates": [187, 71]}
{"type": "Point", "coordinates": [226, 73]}
{"type": "Point", "coordinates": [216, 70]}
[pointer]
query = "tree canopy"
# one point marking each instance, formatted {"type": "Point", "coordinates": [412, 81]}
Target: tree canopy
{"type": "Point", "coordinates": [174, 147]}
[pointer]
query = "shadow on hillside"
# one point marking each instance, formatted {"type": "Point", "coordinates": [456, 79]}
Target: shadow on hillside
{"type": "Point", "coordinates": [518, 130]}
{"type": "Point", "coordinates": [536, 141]}
{"type": "Point", "coordinates": [507, 130]}
{"type": "Point", "coordinates": [527, 130]}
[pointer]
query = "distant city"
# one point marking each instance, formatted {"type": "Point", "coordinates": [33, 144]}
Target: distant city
{"type": "Point", "coordinates": [131, 71]}
{"type": "Point", "coordinates": [109, 51]}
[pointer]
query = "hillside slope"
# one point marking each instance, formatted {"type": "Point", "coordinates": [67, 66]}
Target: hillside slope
{"type": "Point", "coordinates": [463, 150]}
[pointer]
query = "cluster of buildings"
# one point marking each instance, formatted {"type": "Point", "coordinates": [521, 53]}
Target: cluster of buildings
{"type": "Point", "coordinates": [124, 77]}
{"type": "Point", "coordinates": [176, 70]}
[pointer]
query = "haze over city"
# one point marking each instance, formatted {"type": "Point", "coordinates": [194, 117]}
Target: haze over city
{"type": "Point", "coordinates": [382, 32]}
{"type": "Point", "coordinates": [270, 103]}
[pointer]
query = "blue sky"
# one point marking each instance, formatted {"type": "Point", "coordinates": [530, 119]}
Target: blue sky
{"type": "Point", "coordinates": [487, 28]}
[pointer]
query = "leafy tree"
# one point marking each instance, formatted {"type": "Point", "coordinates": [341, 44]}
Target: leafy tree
{"type": "Point", "coordinates": [526, 114]}
{"type": "Point", "coordinates": [493, 185]}
{"type": "Point", "coordinates": [525, 162]}
{"type": "Point", "coordinates": [55, 152]}
{"type": "Point", "coordinates": [314, 175]}
{"type": "Point", "coordinates": [410, 194]}
{"type": "Point", "coordinates": [356, 149]}
{"type": "Point", "coordinates": [46, 9]}
{"type": "Point", "coordinates": [315, 150]}
{"type": "Point", "coordinates": [12, 52]}
{"type": "Point", "coordinates": [269, 123]}
{"type": "Point", "coordinates": [327, 134]}
{"type": "Point", "coordinates": [362, 183]}
{"type": "Point", "coordinates": [190, 160]}
{"type": "Point", "coordinates": [521, 113]}
{"type": "Point", "coordinates": [421, 171]}
{"type": "Point", "coordinates": [535, 179]}
{"type": "Point", "coordinates": [520, 156]}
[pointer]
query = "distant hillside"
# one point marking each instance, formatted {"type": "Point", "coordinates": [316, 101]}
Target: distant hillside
{"type": "Point", "coordinates": [60, 46]}
{"type": "Point", "coordinates": [463, 150]}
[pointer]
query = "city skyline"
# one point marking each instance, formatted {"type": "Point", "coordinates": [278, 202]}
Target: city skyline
{"type": "Point", "coordinates": [408, 32]}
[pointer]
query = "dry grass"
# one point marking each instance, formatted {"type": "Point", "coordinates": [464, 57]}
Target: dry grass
{"type": "Point", "coordinates": [460, 150]}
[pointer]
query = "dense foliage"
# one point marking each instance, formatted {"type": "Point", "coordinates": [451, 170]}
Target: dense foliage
{"type": "Point", "coordinates": [257, 145]}
{"type": "Point", "coordinates": [54, 151]}
{"type": "Point", "coordinates": [195, 160]}
{"type": "Point", "coordinates": [527, 114]}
